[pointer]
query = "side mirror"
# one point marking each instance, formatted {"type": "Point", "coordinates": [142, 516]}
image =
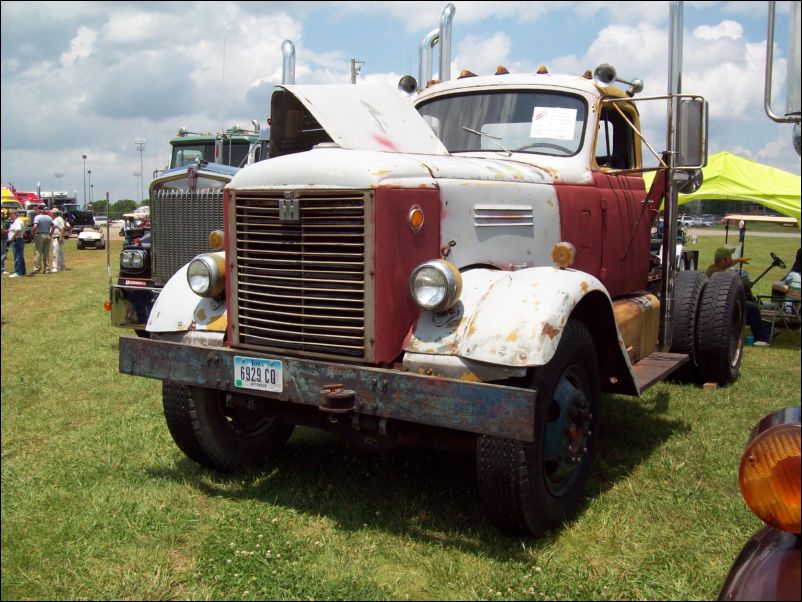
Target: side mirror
{"type": "Point", "coordinates": [688, 182]}
{"type": "Point", "coordinates": [692, 129]}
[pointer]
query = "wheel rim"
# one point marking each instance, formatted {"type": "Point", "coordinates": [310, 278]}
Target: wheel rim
{"type": "Point", "coordinates": [736, 336]}
{"type": "Point", "coordinates": [567, 433]}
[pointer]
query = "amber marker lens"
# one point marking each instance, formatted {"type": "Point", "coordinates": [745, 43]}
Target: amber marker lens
{"type": "Point", "coordinates": [563, 255]}
{"type": "Point", "coordinates": [416, 218]}
{"type": "Point", "coordinates": [216, 240]}
{"type": "Point", "coordinates": [770, 476]}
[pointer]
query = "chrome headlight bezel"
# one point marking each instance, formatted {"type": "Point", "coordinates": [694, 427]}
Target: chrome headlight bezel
{"type": "Point", "coordinates": [132, 259]}
{"type": "Point", "coordinates": [206, 276]}
{"type": "Point", "coordinates": [440, 275]}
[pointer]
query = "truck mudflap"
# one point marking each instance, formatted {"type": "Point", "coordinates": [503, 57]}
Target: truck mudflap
{"type": "Point", "coordinates": [479, 408]}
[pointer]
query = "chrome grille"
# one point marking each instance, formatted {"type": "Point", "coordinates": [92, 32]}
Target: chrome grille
{"type": "Point", "coordinates": [301, 272]}
{"type": "Point", "coordinates": [181, 221]}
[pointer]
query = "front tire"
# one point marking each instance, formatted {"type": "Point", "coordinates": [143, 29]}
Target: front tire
{"type": "Point", "coordinates": [216, 433]}
{"type": "Point", "coordinates": [527, 488]}
{"type": "Point", "coordinates": [689, 288]}
{"type": "Point", "coordinates": [720, 333]}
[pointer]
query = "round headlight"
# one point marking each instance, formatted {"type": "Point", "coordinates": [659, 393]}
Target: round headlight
{"type": "Point", "coordinates": [435, 285]}
{"type": "Point", "coordinates": [132, 259]}
{"type": "Point", "coordinates": [205, 276]}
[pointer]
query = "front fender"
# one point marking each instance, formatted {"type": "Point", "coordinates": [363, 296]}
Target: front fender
{"type": "Point", "coordinates": [178, 309]}
{"type": "Point", "coordinates": [513, 319]}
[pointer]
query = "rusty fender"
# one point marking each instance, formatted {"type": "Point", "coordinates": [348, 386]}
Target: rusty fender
{"type": "Point", "coordinates": [509, 318]}
{"type": "Point", "coordinates": [470, 407]}
{"type": "Point", "coordinates": [178, 309]}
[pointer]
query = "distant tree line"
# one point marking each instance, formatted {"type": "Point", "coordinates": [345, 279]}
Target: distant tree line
{"type": "Point", "coordinates": [116, 209]}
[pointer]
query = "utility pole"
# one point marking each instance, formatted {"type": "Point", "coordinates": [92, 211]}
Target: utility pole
{"type": "Point", "coordinates": [84, 158]}
{"type": "Point", "coordinates": [356, 67]}
{"type": "Point", "coordinates": [140, 146]}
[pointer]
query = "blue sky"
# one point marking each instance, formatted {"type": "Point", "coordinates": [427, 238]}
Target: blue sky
{"type": "Point", "coordinates": [90, 77]}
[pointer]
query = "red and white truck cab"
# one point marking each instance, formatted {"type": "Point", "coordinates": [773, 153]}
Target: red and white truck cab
{"type": "Point", "coordinates": [471, 268]}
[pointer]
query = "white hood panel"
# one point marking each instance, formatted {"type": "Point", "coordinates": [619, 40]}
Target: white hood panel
{"type": "Point", "coordinates": [372, 118]}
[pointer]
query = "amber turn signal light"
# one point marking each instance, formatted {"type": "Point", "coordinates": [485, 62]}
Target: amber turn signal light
{"type": "Point", "coordinates": [416, 218]}
{"type": "Point", "coordinates": [216, 240]}
{"type": "Point", "coordinates": [563, 255]}
{"type": "Point", "coordinates": [107, 306]}
{"type": "Point", "coordinates": [770, 474]}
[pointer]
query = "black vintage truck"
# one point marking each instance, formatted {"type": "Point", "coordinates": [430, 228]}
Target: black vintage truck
{"type": "Point", "coordinates": [79, 219]}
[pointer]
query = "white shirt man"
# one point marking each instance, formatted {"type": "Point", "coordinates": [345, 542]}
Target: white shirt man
{"type": "Point", "coordinates": [16, 240]}
{"type": "Point", "coordinates": [57, 234]}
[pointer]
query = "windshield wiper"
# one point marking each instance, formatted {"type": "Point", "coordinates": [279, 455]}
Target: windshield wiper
{"type": "Point", "coordinates": [478, 133]}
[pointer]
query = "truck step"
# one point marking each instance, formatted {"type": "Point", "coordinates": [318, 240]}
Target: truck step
{"type": "Point", "coordinates": [656, 367]}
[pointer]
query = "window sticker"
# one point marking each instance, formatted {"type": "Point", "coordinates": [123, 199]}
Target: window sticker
{"type": "Point", "coordinates": [551, 122]}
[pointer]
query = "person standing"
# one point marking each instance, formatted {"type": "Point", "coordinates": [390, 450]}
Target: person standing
{"type": "Point", "coordinates": [57, 234]}
{"type": "Point", "coordinates": [42, 241]}
{"type": "Point", "coordinates": [4, 237]}
{"type": "Point", "coordinates": [16, 238]}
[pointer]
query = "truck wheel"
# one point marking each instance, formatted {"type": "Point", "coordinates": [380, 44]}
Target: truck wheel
{"type": "Point", "coordinates": [531, 487]}
{"type": "Point", "coordinates": [719, 335]}
{"type": "Point", "coordinates": [216, 434]}
{"type": "Point", "coordinates": [689, 287]}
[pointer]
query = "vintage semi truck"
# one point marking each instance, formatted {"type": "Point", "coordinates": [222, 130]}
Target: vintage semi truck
{"type": "Point", "coordinates": [469, 268]}
{"type": "Point", "coordinates": [186, 201]}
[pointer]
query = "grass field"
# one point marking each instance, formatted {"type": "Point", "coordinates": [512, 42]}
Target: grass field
{"type": "Point", "coordinates": [98, 503]}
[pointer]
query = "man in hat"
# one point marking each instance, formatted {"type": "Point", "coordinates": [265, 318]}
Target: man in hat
{"type": "Point", "coordinates": [57, 234]}
{"type": "Point", "coordinates": [42, 241]}
{"type": "Point", "coordinates": [16, 239]}
{"type": "Point", "coordinates": [722, 260]}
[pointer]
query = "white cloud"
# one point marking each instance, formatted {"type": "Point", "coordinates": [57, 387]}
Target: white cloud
{"type": "Point", "coordinates": [482, 55]}
{"type": "Point", "coordinates": [80, 46]}
{"type": "Point", "coordinates": [725, 29]}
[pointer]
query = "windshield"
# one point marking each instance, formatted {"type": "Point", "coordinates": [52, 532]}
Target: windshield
{"type": "Point", "coordinates": [189, 154]}
{"type": "Point", "coordinates": [531, 122]}
{"type": "Point", "coordinates": [233, 153]}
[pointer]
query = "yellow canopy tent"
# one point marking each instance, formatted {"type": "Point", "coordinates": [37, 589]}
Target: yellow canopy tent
{"type": "Point", "coordinates": [732, 178]}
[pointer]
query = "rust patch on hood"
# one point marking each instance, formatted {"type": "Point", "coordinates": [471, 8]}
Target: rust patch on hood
{"type": "Point", "coordinates": [550, 331]}
{"type": "Point", "coordinates": [584, 287]}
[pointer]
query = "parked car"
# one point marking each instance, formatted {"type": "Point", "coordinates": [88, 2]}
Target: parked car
{"type": "Point", "coordinates": [101, 221]}
{"type": "Point", "coordinates": [768, 567]}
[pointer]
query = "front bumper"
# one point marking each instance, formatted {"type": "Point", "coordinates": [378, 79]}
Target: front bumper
{"type": "Point", "coordinates": [131, 304]}
{"type": "Point", "coordinates": [453, 404]}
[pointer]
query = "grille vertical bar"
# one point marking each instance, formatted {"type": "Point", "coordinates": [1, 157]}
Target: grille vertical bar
{"type": "Point", "coordinates": [301, 285]}
{"type": "Point", "coordinates": [181, 221]}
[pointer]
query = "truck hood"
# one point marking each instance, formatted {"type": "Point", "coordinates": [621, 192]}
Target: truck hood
{"type": "Point", "coordinates": [371, 118]}
{"type": "Point", "coordinates": [325, 168]}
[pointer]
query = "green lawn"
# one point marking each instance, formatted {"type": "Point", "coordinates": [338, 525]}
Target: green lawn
{"type": "Point", "coordinates": [98, 503]}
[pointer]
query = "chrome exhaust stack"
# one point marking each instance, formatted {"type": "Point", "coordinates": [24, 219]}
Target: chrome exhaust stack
{"type": "Point", "coordinates": [442, 36]}
{"type": "Point", "coordinates": [288, 65]}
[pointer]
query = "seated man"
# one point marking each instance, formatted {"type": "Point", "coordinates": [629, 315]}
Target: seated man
{"type": "Point", "coordinates": [723, 260]}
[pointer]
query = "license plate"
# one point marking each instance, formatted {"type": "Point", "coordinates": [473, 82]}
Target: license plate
{"type": "Point", "coordinates": [257, 373]}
